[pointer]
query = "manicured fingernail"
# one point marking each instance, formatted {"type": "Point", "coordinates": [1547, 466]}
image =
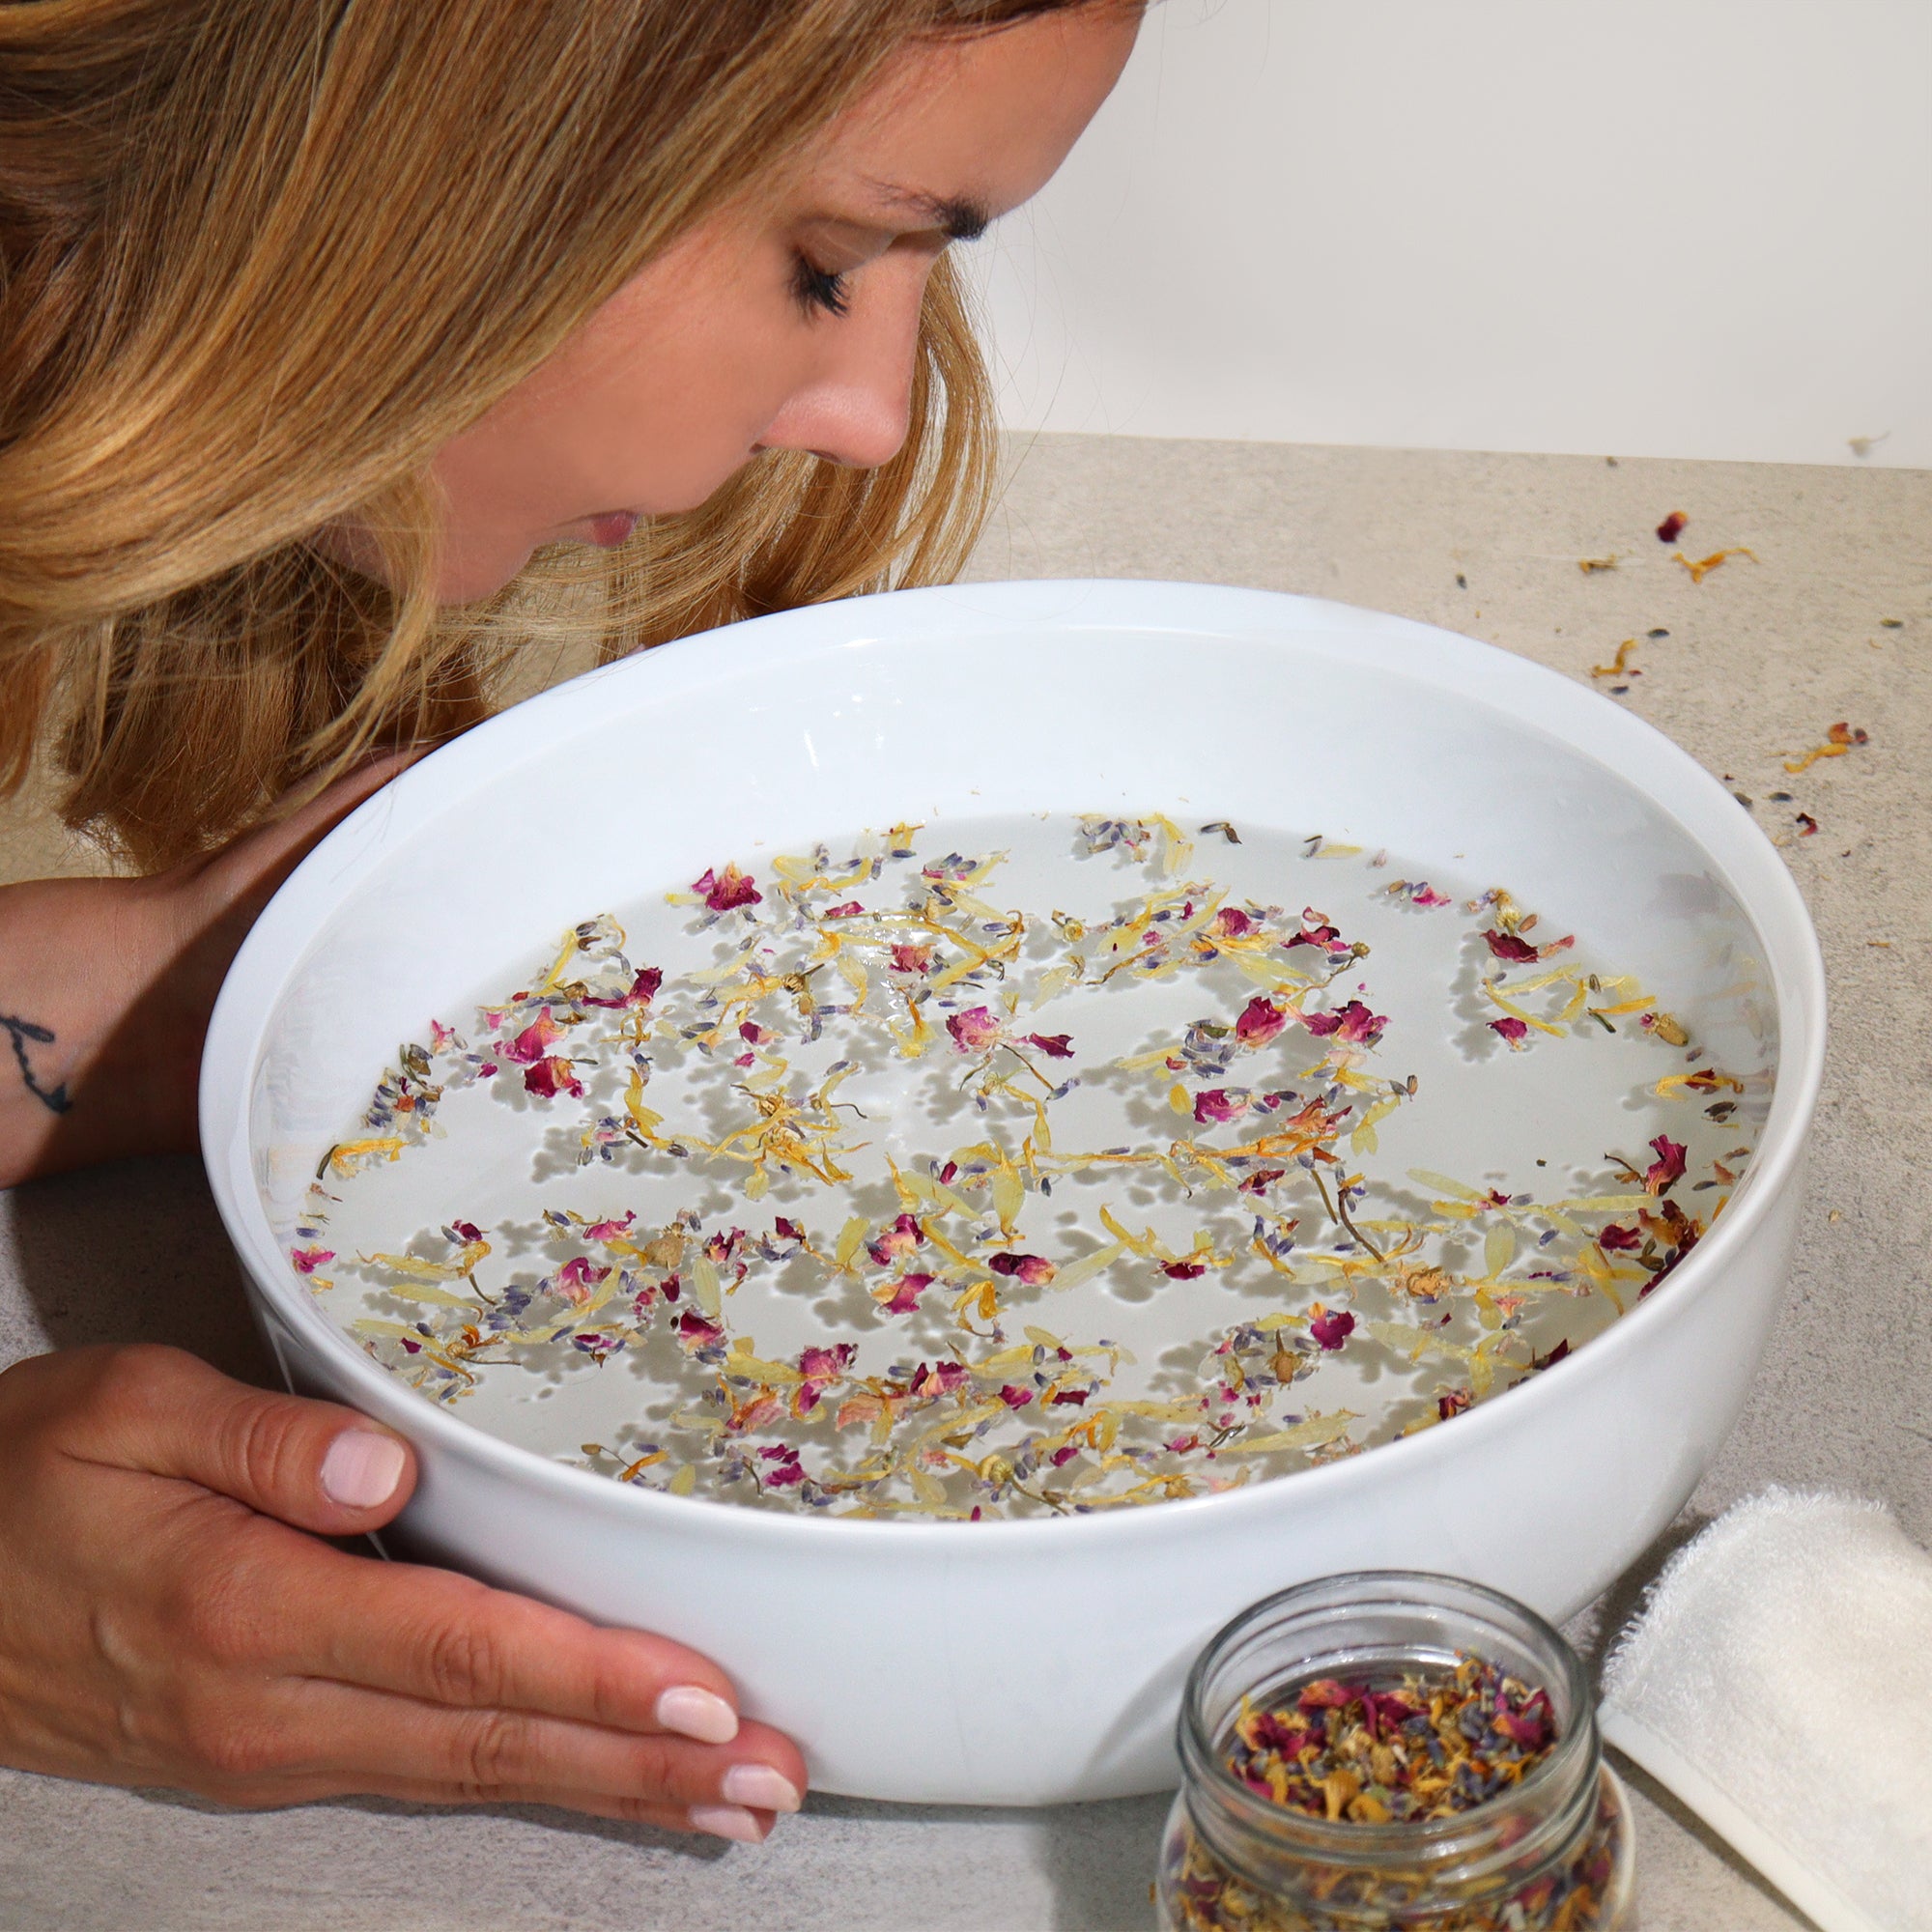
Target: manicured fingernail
{"type": "Point", "coordinates": [761, 1787]}
{"type": "Point", "coordinates": [726, 1821]}
{"type": "Point", "coordinates": [694, 1712]}
{"type": "Point", "coordinates": [362, 1468]}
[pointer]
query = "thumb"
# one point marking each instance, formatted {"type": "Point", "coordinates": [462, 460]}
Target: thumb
{"type": "Point", "coordinates": [316, 1465]}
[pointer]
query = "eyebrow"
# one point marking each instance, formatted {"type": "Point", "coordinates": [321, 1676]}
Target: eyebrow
{"type": "Point", "coordinates": [958, 217]}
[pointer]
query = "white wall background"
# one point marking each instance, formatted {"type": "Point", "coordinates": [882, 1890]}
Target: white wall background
{"type": "Point", "coordinates": [1648, 227]}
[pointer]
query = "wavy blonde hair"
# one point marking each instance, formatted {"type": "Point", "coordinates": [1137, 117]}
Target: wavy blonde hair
{"type": "Point", "coordinates": [262, 257]}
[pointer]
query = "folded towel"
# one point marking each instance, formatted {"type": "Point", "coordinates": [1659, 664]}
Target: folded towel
{"type": "Point", "coordinates": [1779, 1681]}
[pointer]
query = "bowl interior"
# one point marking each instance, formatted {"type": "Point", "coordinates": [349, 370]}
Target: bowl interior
{"type": "Point", "coordinates": [1113, 698]}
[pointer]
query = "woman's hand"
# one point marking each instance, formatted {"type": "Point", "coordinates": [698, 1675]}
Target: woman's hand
{"type": "Point", "coordinates": [107, 986]}
{"type": "Point", "coordinates": [165, 1620]}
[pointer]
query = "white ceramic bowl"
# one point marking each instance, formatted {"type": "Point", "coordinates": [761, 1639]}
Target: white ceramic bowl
{"type": "Point", "coordinates": [1021, 1662]}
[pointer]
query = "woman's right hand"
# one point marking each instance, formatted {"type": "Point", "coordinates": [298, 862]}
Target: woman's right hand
{"type": "Point", "coordinates": [171, 1617]}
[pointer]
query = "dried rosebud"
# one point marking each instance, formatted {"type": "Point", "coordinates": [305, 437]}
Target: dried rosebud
{"type": "Point", "coordinates": [598, 1230]}
{"type": "Point", "coordinates": [1032, 1270]}
{"type": "Point", "coordinates": [1672, 528]}
{"type": "Point", "coordinates": [1183, 1270]}
{"type": "Point", "coordinates": [308, 1260]}
{"type": "Point", "coordinates": [901, 1237]}
{"type": "Point", "coordinates": [1260, 1021]}
{"type": "Point", "coordinates": [975, 1029]}
{"type": "Point", "coordinates": [1326, 1693]}
{"type": "Point", "coordinates": [1016, 1398]}
{"type": "Point", "coordinates": [1229, 922]}
{"type": "Point", "coordinates": [549, 1078]}
{"type": "Point", "coordinates": [1531, 1728]}
{"type": "Point", "coordinates": [823, 1364]}
{"type": "Point", "coordinates": [1331, 1328]}
{"type": "Point", "coordinates": [694, 1331]}
{"type": "Point", "coordinates": [727, 890]}
{"type": "Point", "coordinates": [1218, 1104]}
{"type": "Point", "coordinates": [941, 1378]}
{"type": "Point", "coordinates": [1353, 1024]}
{"type": "Point", "coordinates": [1515, 1031]}
{"type": "Point", "coordinates": [909, 957]}
{"type": "Point", "coordinates": [722, 1248]}
{"type": "Point", "coordinates": [1619, 1240]}
{"type": "Point", "coordinates": [1452, 1402]}
{"type": "Point", "coordinates": [576, 1278]}
{"type": "Point", "coordinates": [788, 1231]}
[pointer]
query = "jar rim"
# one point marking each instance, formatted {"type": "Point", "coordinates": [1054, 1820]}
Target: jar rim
{"type": "Point", "coordinates": [1345, 1840]}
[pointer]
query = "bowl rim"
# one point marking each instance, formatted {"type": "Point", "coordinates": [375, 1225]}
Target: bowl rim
{"type": "Point", "coordinates": [1538, 699]}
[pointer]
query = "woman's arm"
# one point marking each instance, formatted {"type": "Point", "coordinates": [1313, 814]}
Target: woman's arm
{"type": "Point", "coordinates": [165, 1618]}
{"type": "Point", "coordinates": [107, 986]}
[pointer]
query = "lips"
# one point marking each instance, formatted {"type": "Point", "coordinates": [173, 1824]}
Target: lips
{"type": "Point", "coordinates": [613, 528]}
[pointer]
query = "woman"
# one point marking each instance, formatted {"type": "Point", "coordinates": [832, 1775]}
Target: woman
{"type": "Point", "coordinates": [320, 322]}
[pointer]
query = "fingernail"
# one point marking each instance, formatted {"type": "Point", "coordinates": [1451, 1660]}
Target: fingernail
{"type": "Point", "coordinates": [694, 1712]}
{"type": "Point", "coordinates": [362, 1468]}
{"type": "Point", "coordinates": [726, 1821]}
{"type": "Point", "coordinates": [761, 1787]}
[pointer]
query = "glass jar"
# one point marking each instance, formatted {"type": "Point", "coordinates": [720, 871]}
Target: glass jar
{"type": "Point", "coordinates": [1553, 1853]}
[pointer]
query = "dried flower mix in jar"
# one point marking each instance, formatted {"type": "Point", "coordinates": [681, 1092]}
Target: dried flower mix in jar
{"type": "Point", "coordinates": [1073, 1165]}
{"type": "Point", "coordinates": [1412, 1788]}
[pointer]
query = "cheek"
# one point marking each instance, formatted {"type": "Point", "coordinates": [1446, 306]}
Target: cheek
{"type": "Point", "coordinates": [697, 352]}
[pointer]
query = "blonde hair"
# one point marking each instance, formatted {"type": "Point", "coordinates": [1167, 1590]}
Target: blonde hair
{"type": "Point", "coordinates": [262, 257]}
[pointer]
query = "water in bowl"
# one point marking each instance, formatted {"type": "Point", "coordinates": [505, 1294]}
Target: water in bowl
{"type": "Point", "coordinates": [1033, 1165]}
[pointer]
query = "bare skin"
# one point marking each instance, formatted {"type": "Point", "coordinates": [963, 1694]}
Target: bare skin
{"type": "Point", "coordinates": [170, 1615]}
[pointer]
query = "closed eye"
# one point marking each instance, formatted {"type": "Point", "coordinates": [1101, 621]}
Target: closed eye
{"type": "Point", "coordinates": [821, 291]}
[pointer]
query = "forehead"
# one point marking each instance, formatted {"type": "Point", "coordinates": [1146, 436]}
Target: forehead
{"type": "Point", "coordinates": [963, 127]}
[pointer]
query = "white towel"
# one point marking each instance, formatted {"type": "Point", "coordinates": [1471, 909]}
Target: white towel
{"type": "Point", "coordinates": [1779, 1681]}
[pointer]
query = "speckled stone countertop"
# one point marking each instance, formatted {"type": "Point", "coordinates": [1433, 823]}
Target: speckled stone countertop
{"type": "Point", "coordinates": [1760, 659]}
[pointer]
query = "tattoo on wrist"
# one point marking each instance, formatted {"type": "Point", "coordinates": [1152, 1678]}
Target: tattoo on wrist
{"type": "Point", "coordinates": [54, 1098]}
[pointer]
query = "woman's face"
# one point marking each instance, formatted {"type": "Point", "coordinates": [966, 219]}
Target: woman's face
{"type": "Point", "coordinates": [787, 326]}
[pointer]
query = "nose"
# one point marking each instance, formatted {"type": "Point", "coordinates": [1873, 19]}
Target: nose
{"type": "Point", "coordinates": [855, 404]}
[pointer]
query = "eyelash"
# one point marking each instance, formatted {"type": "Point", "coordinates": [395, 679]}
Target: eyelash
{"type": "Point", "coordinates": [819, 290]}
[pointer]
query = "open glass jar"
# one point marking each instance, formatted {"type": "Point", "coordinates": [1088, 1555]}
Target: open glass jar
{"type": "Point", "coordinates": [1551, 1851]}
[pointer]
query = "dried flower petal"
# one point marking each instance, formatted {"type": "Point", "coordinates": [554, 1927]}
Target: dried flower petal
{"type": "Point", "coordinates": [1033, 1270]}
{"type": "Point", "coordinates": [975, 1030]}
{"type": "Point", "coordinates": [1331, 1328]}
{"type": "Point", "coordinates": [727, 890]}
{"type": "Point", "coordinates": [1260, 1021]}
{"type": "Point", "coordinates": [1668, 1169]}
{"type": "Point", "coordinates": [549, 1078]}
